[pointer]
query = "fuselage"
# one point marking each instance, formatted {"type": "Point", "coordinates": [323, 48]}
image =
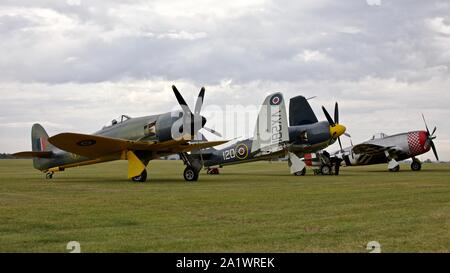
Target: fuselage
{"type": "Point", "coordinates": [147, 128]}
{"type": "Point", "coordinates": [302, 139]}
{"type": "Point", "coordinates": [409, 144]}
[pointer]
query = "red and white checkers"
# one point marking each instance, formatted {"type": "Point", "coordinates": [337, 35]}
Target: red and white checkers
{"type": "Point", "coordinates": [417, 142]}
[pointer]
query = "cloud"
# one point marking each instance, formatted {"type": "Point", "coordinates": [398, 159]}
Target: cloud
{"type": "Point", "coordinates": [80, 63]}
{"type": "Point", "coordinates": [438, 25]}
{"type": "Point", "coordinates": [311, 56]}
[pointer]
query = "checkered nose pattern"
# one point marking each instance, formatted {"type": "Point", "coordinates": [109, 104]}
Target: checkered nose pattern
{"type": "Point", "coordinates": [417, 142]}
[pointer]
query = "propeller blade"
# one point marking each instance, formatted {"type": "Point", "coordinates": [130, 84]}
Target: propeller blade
{"type": "Point", "coordinates": [347, 135]}
{"type": "Point", "coordinates": [181, 101]}
{"type": "Point", "coordinates": [340, 143]}
{"type": "Point", "coordinates": [212, 131]}
{"type": "Point", "coordinates": [327, 115]}
{"type": "Point", "coordinates": [426, 126]}
{"type": "Point", "coordinates": [434, 131]}
{"type": "Point", "coordinates": [336, 113]}
{"type": "Point", "coordinates": [434, 150]}
{"type": "Point", "coordinates": [199, 103]}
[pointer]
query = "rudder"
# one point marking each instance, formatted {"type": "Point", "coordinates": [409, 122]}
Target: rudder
{"type": "Point", "coordinates": [39, 143]}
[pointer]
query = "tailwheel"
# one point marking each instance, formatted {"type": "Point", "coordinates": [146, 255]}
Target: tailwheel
{"type": "Point", "coordinates": [395, 169]}
{"type": "Point", "coordinates": [190, 174]}
{"type": "Point", "coordinates": [300, 173]}
{"type": "Point", "coordinates": [49, 175]}
{"type": "Point", "coordinates": [140, 178]}
{"type": "Point", "coordinates": [416, 165]}
{"type": "Point", "coordinates": [212, 171]}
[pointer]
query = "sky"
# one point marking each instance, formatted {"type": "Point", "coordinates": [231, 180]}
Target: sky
{"type": "Point", "coordinates": [74, 65]}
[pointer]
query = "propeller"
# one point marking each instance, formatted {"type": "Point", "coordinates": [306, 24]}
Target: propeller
{"type": "Point", "coordinates": [212, 131]}
{"type": "Point", "coordinates": [192, 121]}
{"type": "Point", "coordinates": [336, 129]}
{"type": "Point", "coordinates": [430, 138]}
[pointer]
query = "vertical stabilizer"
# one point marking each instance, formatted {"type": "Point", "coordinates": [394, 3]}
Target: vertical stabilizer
{"type": "Point", "coordinates": [271, 132]}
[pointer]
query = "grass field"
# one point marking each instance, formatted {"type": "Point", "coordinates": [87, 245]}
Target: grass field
{"type": "Point", "coordinates": [255, 207]}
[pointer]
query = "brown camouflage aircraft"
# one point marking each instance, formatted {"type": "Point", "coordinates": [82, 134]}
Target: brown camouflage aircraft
{"type": "Point", "coordinates": [137, 140]}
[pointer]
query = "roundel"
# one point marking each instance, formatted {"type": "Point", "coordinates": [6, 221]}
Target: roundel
{"type": "Point", "coordinates": [275, 100]}
{"type": "Point", "coordinates": [87, 142]}
{"type": "Point", "coordinates": [241, 151]}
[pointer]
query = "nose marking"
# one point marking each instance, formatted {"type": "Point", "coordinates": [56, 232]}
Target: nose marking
{"type": "Point", "coordinates": [337, 130]}
{"type": "Point", "coordinates": [417, 143]}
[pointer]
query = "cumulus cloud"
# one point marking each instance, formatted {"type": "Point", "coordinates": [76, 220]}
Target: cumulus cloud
{"type": "Point", "coordinates": [79, 63]}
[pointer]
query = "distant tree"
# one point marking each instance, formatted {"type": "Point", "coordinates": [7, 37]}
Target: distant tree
{"type": "Point", "coordinates": [5, 156]}
{"type": "Point", "coordinates": [428, 161]}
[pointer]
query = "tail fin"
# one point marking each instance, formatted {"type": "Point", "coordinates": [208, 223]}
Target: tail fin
{"type": "Point", "coordinates": [39, 139]}
{"type": "Point", "coordinates": [300, 112]}
{"type": "Point", "coordinates": [40, 144]}
{"type": "Point", "coordinates": [42, 150]}
{"type": "Point", "coordinates": [271, 130]}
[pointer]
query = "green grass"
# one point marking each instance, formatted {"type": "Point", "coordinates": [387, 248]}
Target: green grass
{"type": "Point", "coordinates": [255, 207]}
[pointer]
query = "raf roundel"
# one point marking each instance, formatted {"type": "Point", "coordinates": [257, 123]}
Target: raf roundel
{"type": "Point", "coordinates": [86, 143]}
{"type": "Point", "coordinates": [275, 100]}
{"type": "Point", "coordinates": [241, 151]}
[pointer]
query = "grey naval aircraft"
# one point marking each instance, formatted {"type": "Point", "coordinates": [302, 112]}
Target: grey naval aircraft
{"type": "Point", "coordinates": [137, 140]}
{"type": "Point", "coordinates": [389, 149]}
{"type": "Point", "coordinates": [273, 138]}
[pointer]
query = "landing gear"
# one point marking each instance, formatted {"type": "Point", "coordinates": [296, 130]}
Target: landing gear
{"type": "Point", "coordinates": [325, 170]}
{"type": "Point", "coordinates": [301, 173]}
{"type": "Point", "coordinates": [140, 178]}
{"type": "Point", "coordinates": [416, 165]}
{"type": "Point", "coordinates": [193, 167]}
{"type": "Point", "coordinates": [49, 175]}
{"type": "Point", "coordinates": [395, 169]}
{"type": "Point", "coordinates": [213, 171]}
{"type": "Point", "coordinates": [337, 167]}
{"type": "Point", "coordinates": [190, 174]}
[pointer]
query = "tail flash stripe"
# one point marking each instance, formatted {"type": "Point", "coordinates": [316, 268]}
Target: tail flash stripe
{"type": "Point", "coordinates": [43, 144]}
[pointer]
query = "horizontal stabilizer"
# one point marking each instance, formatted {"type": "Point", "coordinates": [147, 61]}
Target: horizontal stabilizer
{"type": "Point", "coordinates": [33, 155]}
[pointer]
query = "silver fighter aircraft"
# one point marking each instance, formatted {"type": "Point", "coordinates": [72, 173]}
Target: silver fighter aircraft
{"type": "Point", "coordinates": [390, 149]}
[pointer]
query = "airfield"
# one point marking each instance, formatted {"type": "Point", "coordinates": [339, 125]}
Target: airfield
{"type": "Point", "coordinates": [256, 207]}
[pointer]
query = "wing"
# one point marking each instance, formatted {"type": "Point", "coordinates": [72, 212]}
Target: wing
{"type": "Point", "coordinates": [33, 155]}
{"type": "Point", "coordinates": [300, 112]}
{"type": "Point", "coordinates": [369, 149]}
{"type": "Point", "coordinates": [89, 145]}
{"type": "Point", "coordinates": [374, 150]}
{"type": "Point", "coordinates": [93, 146]}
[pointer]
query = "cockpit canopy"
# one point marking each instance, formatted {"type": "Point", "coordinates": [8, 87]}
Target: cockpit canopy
{"type": "Point", "coordinates": [119, 120]}
{"type": "Point", "coordinates": [379, 136]}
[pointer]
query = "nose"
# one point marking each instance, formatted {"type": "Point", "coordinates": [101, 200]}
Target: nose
{"type": "Point", "coordinates": [337, 130]}
{"type": "Point", "coordinates": [423, 141]}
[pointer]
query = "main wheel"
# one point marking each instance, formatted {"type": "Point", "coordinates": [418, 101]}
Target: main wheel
{"type": "Point", "coordinates": [300, 173]}
{"type": "Point", "coordinates": [416, 166]}
{"type": "Point", "coordinates": [190, 174]}
{"type": "Point", "coordinates": [325, 170]}
{"type": "Point", "coordinates": [395, 169]}
{"type": "Point", "coordinates": [140, 178]}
